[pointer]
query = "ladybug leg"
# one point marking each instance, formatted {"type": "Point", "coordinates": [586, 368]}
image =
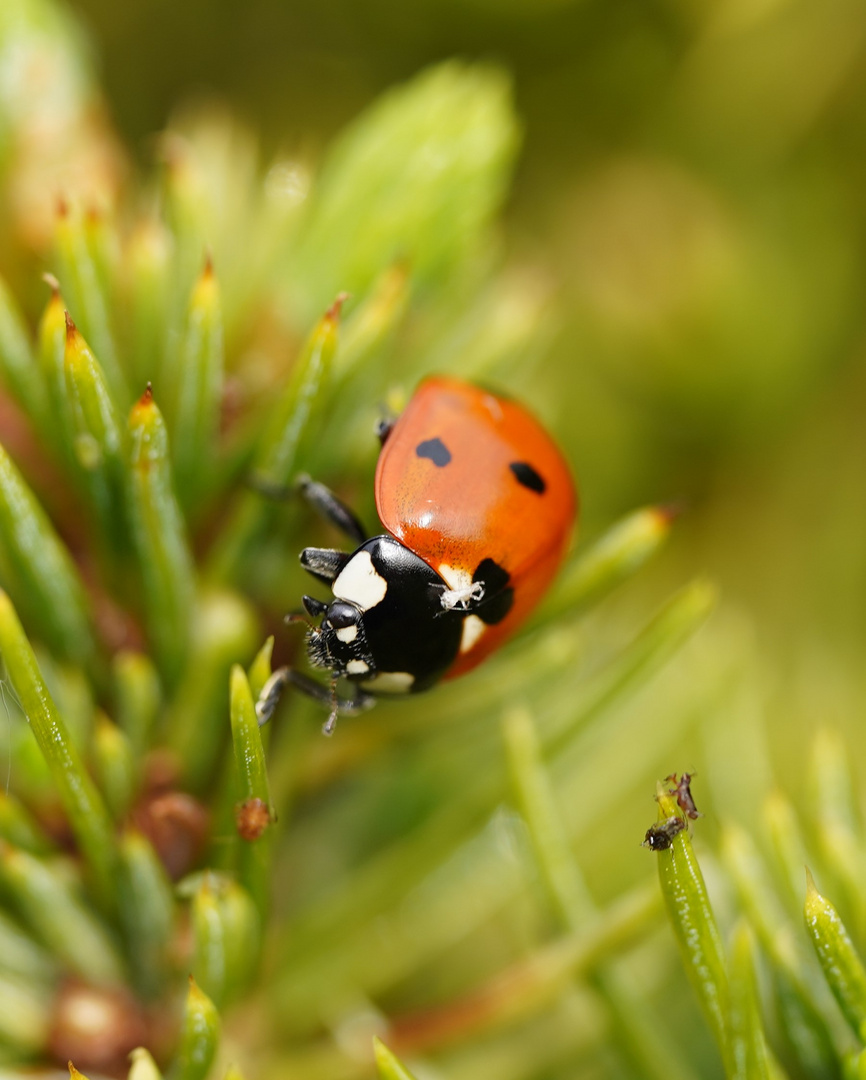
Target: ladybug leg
{"type": "Point", "coordinates": [359, 702]}
{"type": "Point", "coordinates": [321, 498]}
{"type": "Point", "coordinates": [270, 695]}
{"type": "Point", "coordinates": [285, 676]}
{"type": "Point", "coordinates": [267, 488]}
{"type": "Point", "coordinates": [347, 706]}
{"type": "Point", "coordinates": [323, 563]}
{"type": "Point", "coordinates": [331, 722]}
{"type": "Point", "coordinates": [332, 509]}
{"type": "Point", "coordinates": [384, 427]}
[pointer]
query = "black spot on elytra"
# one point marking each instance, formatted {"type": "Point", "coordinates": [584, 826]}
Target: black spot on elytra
{"type": "Point", "coordinates": [435, 450]}
{"type": "Point", "coordinates": [494, 576]}
{"type": "Point", "coordinates": [528, 477]}
{"type": "Point", "coordinates": [498, 596]}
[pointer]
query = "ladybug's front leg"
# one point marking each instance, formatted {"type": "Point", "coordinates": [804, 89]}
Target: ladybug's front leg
{"type": "Point", "coordinates": [273, 688]}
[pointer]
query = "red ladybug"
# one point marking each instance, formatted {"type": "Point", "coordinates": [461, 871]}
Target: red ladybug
{"type": "Point", "coordinates": [478, 505]}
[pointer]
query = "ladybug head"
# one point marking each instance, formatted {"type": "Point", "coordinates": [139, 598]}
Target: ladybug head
{"type": "Point", "coordinates": [339, 643]}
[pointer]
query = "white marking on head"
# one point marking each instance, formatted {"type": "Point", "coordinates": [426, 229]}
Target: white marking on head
{"type": "Point", "coordinates": [391, 682]}
{"type": "Point", "coordinates": [473, 628]}
{"type": "Point", "coordinates": [347, 634]}
{"type": "Point", "coordinates": [357, 667]}
{"type": "Point", "coordinates": [360, 583]}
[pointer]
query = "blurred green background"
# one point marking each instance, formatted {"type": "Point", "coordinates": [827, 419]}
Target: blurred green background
{"type": "Point", "coordinates": [691, 188]}
{"type": "Point", "coordinates": [688, 211]}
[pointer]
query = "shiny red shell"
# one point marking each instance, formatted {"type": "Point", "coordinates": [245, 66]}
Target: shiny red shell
{"type": "Point", "coordinates": [483, 502]}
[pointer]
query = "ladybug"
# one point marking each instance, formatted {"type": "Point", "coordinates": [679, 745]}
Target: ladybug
{"type": "Point", "coordinates": [478, 508]}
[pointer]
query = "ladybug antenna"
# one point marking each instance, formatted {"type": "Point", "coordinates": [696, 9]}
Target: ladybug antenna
{"type": "Point", "coordinates": [298, 617]}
